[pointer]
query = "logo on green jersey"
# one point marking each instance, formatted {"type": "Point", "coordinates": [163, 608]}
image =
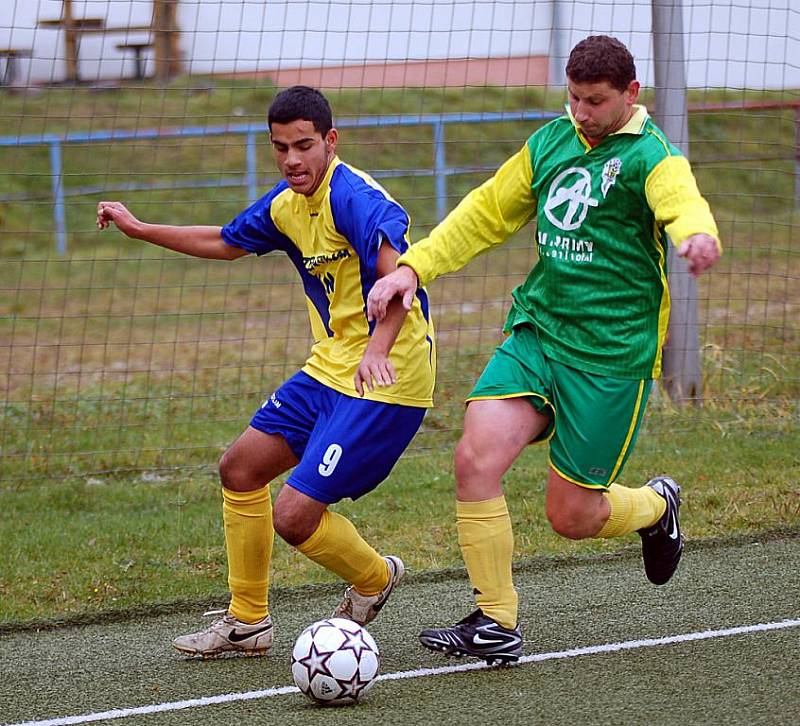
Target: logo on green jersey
{"type": "Point", "coordinates": [569, 199]}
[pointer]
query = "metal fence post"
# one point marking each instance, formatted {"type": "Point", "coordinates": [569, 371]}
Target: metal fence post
{"type": "Point", "coordinates": [439, 170]}
{"type": "Point", "coordinates": [797, 155]}
{"type": "Point", "coordinates": [556, 77]}
{"type": "Point", "coordinates": [682, 373]}
{"type": "Point", "coordinates": [57, 185]}
{"type": "Point", "coordinates": [252, 171]}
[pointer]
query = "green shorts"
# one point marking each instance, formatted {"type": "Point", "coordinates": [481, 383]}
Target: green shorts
{"type": "Point", "coordinates": [594, 419]}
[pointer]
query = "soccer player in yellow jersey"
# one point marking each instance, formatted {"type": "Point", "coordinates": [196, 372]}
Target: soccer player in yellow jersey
{"type": "Point", "coordinates": [585, 332]}
{"type": "Point", "coordinates": [344, 419]}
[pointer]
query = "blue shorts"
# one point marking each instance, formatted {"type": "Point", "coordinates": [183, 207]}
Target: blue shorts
{"type": "Point", "coordinates": [346, 446]}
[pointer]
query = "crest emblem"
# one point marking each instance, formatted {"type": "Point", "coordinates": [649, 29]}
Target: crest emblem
{"type": "Point", "coordinates": [610, 174]}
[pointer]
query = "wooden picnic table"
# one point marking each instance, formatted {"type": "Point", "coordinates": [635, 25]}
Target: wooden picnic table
{"type": "Point", "coordinates": [138, 49]}
{"type": "Point", "coordinates": [73, 27]}
{"type": "Point", "coordinates": [163, 37]}
{"type": "Point", "coordinates": [80, 24]}
{"type": "Point", "coordinates": [11, 55]}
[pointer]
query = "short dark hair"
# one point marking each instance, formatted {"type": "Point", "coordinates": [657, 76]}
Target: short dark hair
{"type": "Point", "coordinates": [301, 102]}
{"type": "Point", "coordinates": [601, 58]}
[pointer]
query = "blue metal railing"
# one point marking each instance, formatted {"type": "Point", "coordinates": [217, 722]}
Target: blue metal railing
{"type": "Point", "coordinates": [440, 170]}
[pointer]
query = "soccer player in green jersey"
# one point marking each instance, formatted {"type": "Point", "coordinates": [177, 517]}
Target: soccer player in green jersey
{"type": "Point", "coordinates": [585, 331]}
{"type": "Point", "coordinates": [341, 422]}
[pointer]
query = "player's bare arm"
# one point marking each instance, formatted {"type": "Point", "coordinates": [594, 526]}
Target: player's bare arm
{"type": "Point", "coordinates": [195, 240]}
{"type": "Point", "coordinates": [701, 251]}
{"type": "Point", "coordinates": [401, 282]}
{"type": "Point", "coordinates": [375, 367]}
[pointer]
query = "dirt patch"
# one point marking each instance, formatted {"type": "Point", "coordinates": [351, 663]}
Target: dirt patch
{"type": "Point", "coordinates": [530, 70]}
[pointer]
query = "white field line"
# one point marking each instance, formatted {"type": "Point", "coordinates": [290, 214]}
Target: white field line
{"type": "Point", "coordinates": [416, 673]}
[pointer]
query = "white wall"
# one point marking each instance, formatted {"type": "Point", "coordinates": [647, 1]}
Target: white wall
{"type": "Point", "coordinates": [729, 43]}
{"type": "Point", "coordinates": [98, 56]}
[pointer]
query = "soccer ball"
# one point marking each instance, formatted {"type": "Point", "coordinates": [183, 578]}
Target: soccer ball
{"type": "Point", "coordinates": [335, 662]}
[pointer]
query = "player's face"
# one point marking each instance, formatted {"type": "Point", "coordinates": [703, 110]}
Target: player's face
{"type": "Point", "coordinates": [600, 109]}
{"type": "Point", "coordinates": [302, 154]}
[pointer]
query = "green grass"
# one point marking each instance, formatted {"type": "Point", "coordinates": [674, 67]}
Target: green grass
{"type": "Point", "coordinates": [129, 365]}
{"type": "Point", "coordinates": [90, 545]}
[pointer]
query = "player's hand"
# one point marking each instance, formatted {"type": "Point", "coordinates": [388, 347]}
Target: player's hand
{"type": "Point", "coordinates": [117, 213]}
{"type": "Point", "coordinates": [701, 251]}
{"type": "Point", "coordinates": [403, 282]}
{"type": "Point", "coordinates": [374, 370]}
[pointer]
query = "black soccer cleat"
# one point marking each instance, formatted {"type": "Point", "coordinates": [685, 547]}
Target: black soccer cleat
{"type": "Point", "coordinates": [476, 635]}
{"type": "Point", "coordinates": [662, 544]}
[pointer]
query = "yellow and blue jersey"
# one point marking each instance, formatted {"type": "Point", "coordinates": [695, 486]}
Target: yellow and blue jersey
{"type": "Point", "coordinates": [332, 237]}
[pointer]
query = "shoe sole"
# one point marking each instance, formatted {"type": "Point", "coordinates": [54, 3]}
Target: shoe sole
{"type": "Point", "coordinates": [664, 580]}
{"type": "Point", "coordinates": [394, 579]}
{"type": "Point", "coordinates": [492, 659]}
{"type": "Point", "coordinates": [674, 492]}
{"type": "Point", "coordinates": [396, 564]}
{"type": "Point", "coordinates": [214, 654]}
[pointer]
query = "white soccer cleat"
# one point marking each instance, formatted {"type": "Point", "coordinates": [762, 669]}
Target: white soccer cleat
{"type": "Point", "coordinates": [363, 609]}
{"type": "Point", "coordinates": [227, 635]}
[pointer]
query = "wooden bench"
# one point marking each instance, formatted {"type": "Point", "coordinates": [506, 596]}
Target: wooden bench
{"type": "Point", "coordinates": [162, 32]}
{"type": "Point", "coordinates": [73, 29]}
{"type": "Point", "coordinates": [11, 55]}
{"type": "Point", "coordinates": [138, 49]}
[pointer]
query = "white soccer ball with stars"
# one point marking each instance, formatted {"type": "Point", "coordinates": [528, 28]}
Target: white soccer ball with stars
{"type": "Point", "coordinates": [335, 662]}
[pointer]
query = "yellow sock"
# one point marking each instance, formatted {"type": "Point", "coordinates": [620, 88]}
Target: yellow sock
{"type": "Point", "coordinates": [487, 546]}
{"type": "Point", "coordinates": [338, 547]}
{"type": "Point", "coordinates": [247, 517]}
{"type": "Point", "coordinates": [631, 509]}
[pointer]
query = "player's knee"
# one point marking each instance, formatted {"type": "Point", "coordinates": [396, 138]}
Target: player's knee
{"type": "Point", "coordinates": [234, 474]}
{"type": "Point", "coordinates": [227, 471]}
{"type": "Point", "coordinates": [570, 522]}
{"type": "Point", "coordinates": [286, 527]}
{"type": "Point", "coordinates": [467, 460]}
{"type": "Point", "coordinates": [293, 525]}
{"type": "Point", "coordinates": [569, 528]}
{"type": "Point", "coordinates": [478, 475]}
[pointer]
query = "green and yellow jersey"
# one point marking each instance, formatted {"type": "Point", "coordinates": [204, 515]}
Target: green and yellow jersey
{"type": "Point", "coordinates": [598, 294]}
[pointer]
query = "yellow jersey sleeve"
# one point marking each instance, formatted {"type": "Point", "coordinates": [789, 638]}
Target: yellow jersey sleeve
{"type": "Point", "coordinates": [486, 217]}
{"type": "Point", "coordinates": [672, 194]}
